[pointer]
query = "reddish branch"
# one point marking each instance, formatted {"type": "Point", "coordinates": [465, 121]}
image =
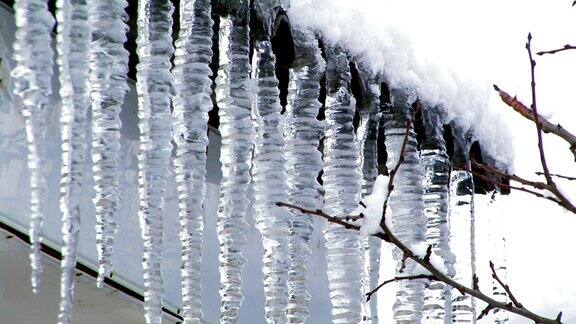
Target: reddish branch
{"type": "Point", "coordinates": [546, 126]}
{"type": "Point", "coordinates": [535, 111]}
{"type": "Point", "coordinates": [511, 187]}
{"type": "Point", "coordinates": [559, 176]}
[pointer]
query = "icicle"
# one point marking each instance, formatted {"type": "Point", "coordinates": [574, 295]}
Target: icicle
{"type": "Point", "coordinates": [302, 132]}
{"type": "Point", "coordinates": [192, 102]}
{"type": "Point", "coordinates": [342, 183]}
{"type": "Point", "coordinates": [461, 224]}
{"type": "Point", "coordinates": [108, 62]}
{"type": "Point", "coordinates": [269, 179]}
{"type": "Point", "coordinates": [368, 135]}
{"type": "Point", "coordinates": [73, 43]}
{"type": "Point", "coordinates": [154, 96]}
{"type": "Point", "coordinates": [406, 204]}
{"type": "Point", "coordinates": [437, 299]}
{"type": "Point", "coordinates": [234, 96]}
{"type": "Point", "coordinates": [34, 58]}
{"type": "Point", "coordinates": [498, 254]}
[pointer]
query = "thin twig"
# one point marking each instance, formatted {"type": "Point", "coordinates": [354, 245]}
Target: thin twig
{"type": "Point", "coordinates": [549, 180]}
{"type": "Point", "coordinates": [505, 286]}
{"type": "Point", "coordinates": [554, 51]}
{"type": "Point", "coordinates": [373, 291]}
{"type": "Point", "coordinates": [557, 197]}
{"type": "Point", "coordinates": [320, 213]}
{"type": "Point", "coordinates": [523, 189]}
{"type": "Point", "coordinates": [547, 126]}
{"type": "Point", "coordinates": [394, 171]}
{"type": "Point", "coordinates": [558, 176]}
{"type": "Point", "coordinates": [534, 108]}
{"type": "Point", "coordinates": [513, 177]}
{"type": "Point", "coordinates": [485, 311]}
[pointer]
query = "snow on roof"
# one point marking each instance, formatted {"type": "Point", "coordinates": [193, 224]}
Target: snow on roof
{"type": "Point", "coordinates": [381, 35]}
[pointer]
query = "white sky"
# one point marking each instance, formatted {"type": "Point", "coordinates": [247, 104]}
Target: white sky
{"type": "Point", "coordinates": [483, 42]}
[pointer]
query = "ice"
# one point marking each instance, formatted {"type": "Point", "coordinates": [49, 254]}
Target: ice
{"type": "Point", "coordinates": [154, 86]}
{"type": "Point", "coordinates": [192, 102]}
{"type": "Point", "coordinates": [233, 92]}
{"type": "Point", "coordinates": [368, 135]}
{"type": "Point", "coordinates": [266, 10]}
{"type": "Point", "coordinates": [342, 184]}
{"type": "Point", "coordinates": [108, 61]}
{"type": "Point", "coordinates": [381, 34]}
{"type": "Point", "coordinates": [497, 254]}
{"type": "Point", "coordinates": [406, 203]}
{"type": "Point", "coordinates": [302, 133]}
{"type": "Point", "coordinates": [73, 43]}
{"type": "Point", "coordinates": [31, 75]}
{"type": "Point", "coordinates": [437, 299]}
{"type": "Point", "coordinates": [461, 222]}
{"type": "Point", "coordinates": [269, 178]}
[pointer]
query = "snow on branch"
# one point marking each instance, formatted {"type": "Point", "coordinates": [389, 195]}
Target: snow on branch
{"type": "Point", "coordinates": [547, 126]}
{"type": "Point", "coordinates": [432, 272]}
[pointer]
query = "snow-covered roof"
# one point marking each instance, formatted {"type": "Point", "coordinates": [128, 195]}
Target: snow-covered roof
{"type": "Point", "coordinates": [373, 33]}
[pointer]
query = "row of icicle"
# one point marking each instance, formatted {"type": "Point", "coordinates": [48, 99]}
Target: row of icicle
{"type": "Point", "coordinates": [278, 153]}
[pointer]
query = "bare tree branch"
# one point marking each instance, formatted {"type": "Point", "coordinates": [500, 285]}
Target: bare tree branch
{"type": "Point", "coordinates": [512, 177]}
{"type": "Point", "coordinates": [320, 213]}
{"type": "Point", "coordinates": [523, 189]}
{"type": "Point", "coordinates": [534, 107]}
{"type": "Point", "coordinates": [505, 286]}
{"type": "Point", "coordinates": [552, 187]}
{"type": "Point", "coordinates": [547, 126]}
{"type": "Point", "coordinates": [554, 51]}
{"type": "Point", "coordinates": [424, 261]}
{"type": "Point", "coordinates": [557, 197]}
{"type": "Point", "coordinates": [559, 176]}
{"type": "Point", "coordinates": [373, 291]}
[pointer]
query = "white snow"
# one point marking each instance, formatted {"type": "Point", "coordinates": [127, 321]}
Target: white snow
{"type": "Point", "coordinates": [383, 36]}
{"type": "Point", "coordinates": [374, 205]}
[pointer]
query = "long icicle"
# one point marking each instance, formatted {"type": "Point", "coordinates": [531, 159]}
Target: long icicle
{"type": "Point", "coordinates": [368, 134]}
{"type": "Point", "coordinates": [32, 73]}
{"type": "Point", "coordinates": [497, 237]}
{"type": "Point", "coordinates": [108, 62]}
{"type": "Point", "coordinates": [342, 183]}
{"type": "Point", "coordinates": [302, 132]}
{"type": "Point", "coordinates": [192, 102]}
{"type": "Point", "coordinates": [269, 178]}
{"type": "Point", "coordinates": [154, 86]}
{"type": "Point", "coordinates": [406, 204]}
{"type": "Point", "coordinates": [234, 96]}
{"type": "Point", "coordinates": [437, 299]}
{"type": "Point", "coordinates": [462, 226]}
{"type": "Point", "coordinates": [73, 43]}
